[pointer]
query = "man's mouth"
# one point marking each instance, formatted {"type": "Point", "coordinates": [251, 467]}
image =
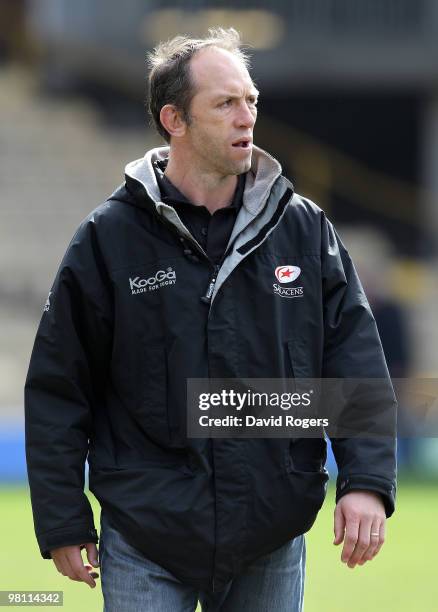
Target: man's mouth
{"type": "Point", "coordinates": [244, 143]}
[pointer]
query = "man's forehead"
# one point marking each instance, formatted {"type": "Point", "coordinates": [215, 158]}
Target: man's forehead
{"type": "Point", "coordinates": [218, 70]}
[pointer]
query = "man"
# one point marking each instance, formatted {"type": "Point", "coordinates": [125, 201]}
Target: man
{"type": "Point", "coordinates": [172, 278]}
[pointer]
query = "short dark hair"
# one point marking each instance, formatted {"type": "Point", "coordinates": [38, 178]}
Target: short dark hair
{"type": "Point", "coordinates": [170, 80]}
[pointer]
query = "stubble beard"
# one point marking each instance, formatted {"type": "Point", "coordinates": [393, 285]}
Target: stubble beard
{"type": "Point", "coordinates": [228, 166]}
{"type": "Point", "coordinates": [214, 160]}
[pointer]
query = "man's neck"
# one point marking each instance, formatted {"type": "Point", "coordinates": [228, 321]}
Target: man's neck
{"type": "Point", "coordinates": [200, 187]}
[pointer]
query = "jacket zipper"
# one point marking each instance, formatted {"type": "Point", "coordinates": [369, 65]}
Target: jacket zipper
{"type": "Point", "coordinates": [207, 297]}
{"type": "Point", "coordinates": [216, 267]}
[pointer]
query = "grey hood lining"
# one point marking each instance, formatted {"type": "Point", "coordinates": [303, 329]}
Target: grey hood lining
{"type": "Point", "coordinates": [263, 191]}
{"type": "Point", "coordinates": [259, 180]}
{"type": "Point", "coordinates": [235, 257]}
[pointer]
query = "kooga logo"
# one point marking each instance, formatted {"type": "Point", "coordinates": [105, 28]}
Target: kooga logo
{"type": "Point", "coordinates": [160, 279]}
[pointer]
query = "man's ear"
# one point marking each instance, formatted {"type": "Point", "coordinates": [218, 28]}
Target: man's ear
{"type": "Point", "coordinates": [172, 121]}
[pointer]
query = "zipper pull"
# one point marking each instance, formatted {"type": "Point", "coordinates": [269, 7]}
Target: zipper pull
{"type": "Point", "coordinates": [207, 297]}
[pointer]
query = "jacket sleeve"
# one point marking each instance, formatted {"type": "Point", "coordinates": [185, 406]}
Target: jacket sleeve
{"type": "Point", "coordinates": [352, 349]}
{"type": "Point", "coordinates": [65, 378]}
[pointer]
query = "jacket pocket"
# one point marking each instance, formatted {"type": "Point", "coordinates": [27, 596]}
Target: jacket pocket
{"type": "Point", "coordinates": [307, 490]}
{"type": "Point", "coordinates": [285, 505]}
{"type": "Point", "coordinates": [307, 475]}
{"type": "Point", "coordinates": [301, 366]}
{"type": "Point", "coordinates": [154, 398]}
{"type": "Point", "coordinates": [307, 455]}
{"type": "Point", "coordinates": [298, 359]}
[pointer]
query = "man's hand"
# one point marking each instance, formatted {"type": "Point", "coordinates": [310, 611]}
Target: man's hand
{"type": "Point", "coordinates": [361, 515]}
{"type": "Point", "coordinates": [68, 561]}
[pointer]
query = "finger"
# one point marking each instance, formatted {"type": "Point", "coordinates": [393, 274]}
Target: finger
{"type": "Point", "coordinates": [374, 542]}
{"type": "Point", "coordinates": [63, 563]}
{"type": "Point", "coordinates": [363, 542]}
{"type": "Point", "coordinates": [339, 525]}
{"type": "Point", "coordinates": [92, 554]}
{"type": "Point", "coordinates": [69, 572]}
{"type": "Point", "coordinates": [350, 539]}
{"type": "Point", "coordinates": [86, 577]}
{"type": "Point", "coordinates": [78, 568]}
{"type": "Point", "coordinates": [382, 531]}
{"type": "Point", "coordinates": [90, 571]}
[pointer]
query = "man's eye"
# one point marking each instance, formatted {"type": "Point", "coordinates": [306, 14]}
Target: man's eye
{"type": "Point", "coordinates": [226, 102]}
{"type": "Point", "coordinates": [253, 101]}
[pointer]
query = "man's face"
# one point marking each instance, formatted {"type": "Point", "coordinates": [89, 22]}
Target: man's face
{"type": "Point", "coordinates": [223, 113]}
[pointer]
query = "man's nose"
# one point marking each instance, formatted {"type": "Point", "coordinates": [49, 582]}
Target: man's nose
{"type": "Point", "coordinates": [246, 117]}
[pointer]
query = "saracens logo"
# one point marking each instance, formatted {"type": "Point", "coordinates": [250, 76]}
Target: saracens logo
{"type": "Point", "coordinates": [161, 278]}
{"type": "Point", "coordinates": [287, 274]}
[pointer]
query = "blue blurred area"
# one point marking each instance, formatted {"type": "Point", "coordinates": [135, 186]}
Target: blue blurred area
{"type": "Point", "coordinates": [13, 462]}
{"type": "Point", "coordinates": [12, 455]}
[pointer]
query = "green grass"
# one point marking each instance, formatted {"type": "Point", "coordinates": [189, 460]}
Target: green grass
{"type": "Point", "coordinates": [403, 578]}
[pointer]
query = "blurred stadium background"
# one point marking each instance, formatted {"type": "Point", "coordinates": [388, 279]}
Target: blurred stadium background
{"type": "Point", "coordinates": [349, 106]}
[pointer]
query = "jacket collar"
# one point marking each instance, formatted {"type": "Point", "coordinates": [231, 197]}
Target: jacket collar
{"type": "Point", "coordinates": [265, 170]}
{"type": "Point", "coordinates": [265, 199]}
{"type": "Point", "coordinates": [173, 196]}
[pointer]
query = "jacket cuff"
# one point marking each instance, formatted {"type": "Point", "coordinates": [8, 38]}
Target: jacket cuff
{"type": "Point", "coordinates": [68, 536]}
{"type": "Point", "coordinates": [387, 489]}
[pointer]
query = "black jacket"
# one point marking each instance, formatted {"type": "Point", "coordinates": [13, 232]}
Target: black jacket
{"type": "Point", "coordinates": [123, 329]}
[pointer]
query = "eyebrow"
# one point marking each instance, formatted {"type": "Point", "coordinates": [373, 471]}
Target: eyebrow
{"type": "Point", "coordinates": [255, 92]}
